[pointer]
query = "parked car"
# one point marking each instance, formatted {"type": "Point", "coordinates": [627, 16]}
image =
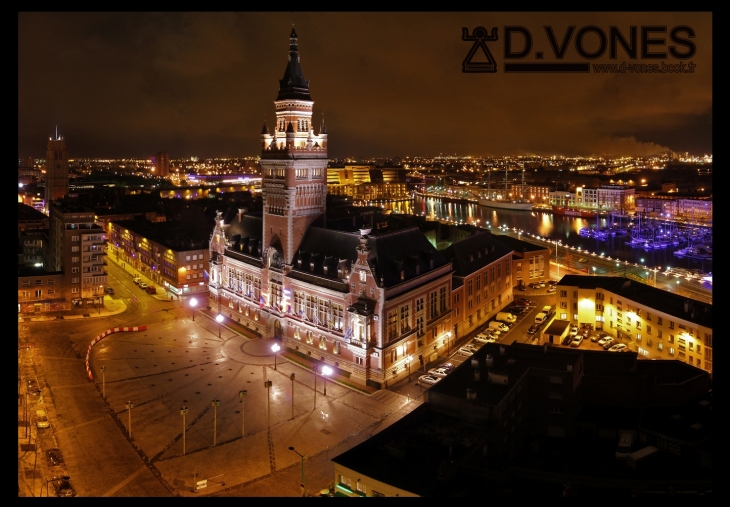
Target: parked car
{"type": "Point", "coordinates": [136, 280]}
{"type": "Point", "coordinates": [551, 289]}
{"type": "Point", "coordinates": [63, 487]}
{"type": "Point", "coordinates": [109, 290]}
{"type": "Point", "coordinates": [573, 330]}
{"type": "Point", "coordinates": [54, 457]}
{"type": "Point", "coordinates": [541, 285]}
{"type": "Point", "coordinates": [32, 387]}
{"type": "Point", "coordinates": [522, 302]}
{"type": "Point", "coordinates": [438, 372]}
{"type": "Point", "coordinates": [449, 367]}
{"type": "Point", "coordinates": [585, 332]}
{"type": "Point", "coordinates": [595, 337]}
{"type": "Point", "coordinates": [567, 340]}
{"type": "Point", "coordinates": [552, 282]}
{"type": "Point", "coordinates": [608, 343]}
{"type": "Point", "coordinates": [428, 380]}
{"type": "Point", "coordinates": [533, 329]}
{"type": "Point", "coordinates": [481, 338]}
{"type": "Point", "coordinates": [577, 340]}
{"type": "Point", "coordinates": [521, 287]}
{"type": "Point", "coordinates": [151, 289]}
{"type": "Point", "coordinates": [619, 347]}
{"type": "Point", "coordinates": [466, 352]}
{"type": "Point", "coordinates": [41, 420]}
{"type": "Point", "coordinates": [603, 338]}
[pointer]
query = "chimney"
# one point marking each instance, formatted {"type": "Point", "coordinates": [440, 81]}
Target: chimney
{"type": "Point", "coordinates": [490, 361]}
{"type": "Point", "coordinates": [502, 351]}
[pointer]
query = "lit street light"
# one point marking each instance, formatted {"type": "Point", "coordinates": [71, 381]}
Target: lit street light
{"type": "Point", "coordinates": [215, 404]}
{"type": "Point", "coordinates": [301, 456]}
{"type": "Point", "coordinates": [275, 348]}
{"type": "Point", "coordinates": [193, 304]}
{"type": "Point", "coordinates": [219, 319]}
{"type": "Point", "coordinates": [326, 370]}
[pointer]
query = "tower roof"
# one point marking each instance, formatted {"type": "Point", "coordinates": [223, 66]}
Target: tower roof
{"type": "Point", "coordinates": [293, 85]}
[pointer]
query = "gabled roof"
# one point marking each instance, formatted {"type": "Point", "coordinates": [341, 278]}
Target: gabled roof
{"type": "Point", "coordinates": [475, 252]}
{"type": "Point", "coordinates": [405, 251]}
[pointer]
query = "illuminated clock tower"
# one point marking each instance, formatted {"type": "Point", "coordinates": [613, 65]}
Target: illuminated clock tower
{"type": "Point", "coordinates": [294, 167]}
{"type": "Point", "coordinates": [56, 170]}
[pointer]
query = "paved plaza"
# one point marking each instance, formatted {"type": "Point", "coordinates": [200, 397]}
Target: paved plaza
{"type": "Point", "coordinates": [180, 363]}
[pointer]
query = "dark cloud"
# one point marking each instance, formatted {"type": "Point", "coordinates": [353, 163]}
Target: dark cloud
{"type": "Point", "coordinates": [132, 84]}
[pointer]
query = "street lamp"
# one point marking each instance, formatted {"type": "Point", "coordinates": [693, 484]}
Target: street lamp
{"type": "Point", "coordinates": [594, 271]}
{"type": "Point", "coordinates": [183, 411]}
{"type": "Point", "coordinates": [215, 404]}
{"type": "Point", "coordinates": [242, 395]}
{"type": "Point", "coordinates": [103, 382]}
{"type": "Point", "coordinates": [193, 304]}
{"type": "Point", "coordinates": [408, 362]}
{"type": "Point", "coordinates": [219, 319]}
{"type": "Point", "coordinates": [275, 348]}
{"type": "Point", "coordinates": [326, 370]}
{"type": "Point", "coordinates": [129, 408]}
{"type": "Point", "coordinates": [292, 377]}
{"type": "Point", "coordinates": [301, 456]}
{"type": "Point", "coordinates": [267, 385]}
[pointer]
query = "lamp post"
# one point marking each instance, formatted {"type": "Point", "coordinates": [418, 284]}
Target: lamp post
{"type": "Point", "coordinates": [129, 407]}
{"type": "Point", "coordinates": [242, 395]}
{"type": "Point", "coordinates": [275, 348]}
{"type": "Point", "coordinates": [267, 385]}
{"type": "Point", "coordinates": [183, 411]}
{"type": "Point", "coordinates": [193, 304]}
{"type": "Point", "coordinates": [408, 362]}
{"type": "Point", "coordinates": [326, 370]}
{"type": "Point", "coordinates": [594, 271]}
{"type": "Point", "coordinates": [315, 388]}
{"type": "Point", "coordinates": [103, 382]}
{"type": "Point", "coordinates": [292, 377]}
{"type": "Point", "coordinates": [219, 319]}
{"type": "Point", "coordinates": [302, 457]}
{"type": "Point", "coordinates": [215, 404]}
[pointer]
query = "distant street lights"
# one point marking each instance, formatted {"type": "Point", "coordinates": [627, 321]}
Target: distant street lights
{"type": "Point", "coordinates": [302, 457]}
{"type": "Point", "coordinates": [219, 319]}
{"type": "Point", "coordinates": [215, 404]}
{"type": "Point", "coordinates": [326, 370]}
{"type": "Point", "coordinates": [193, 304]}
{"type": "Point", "coordinates": [275, 348]}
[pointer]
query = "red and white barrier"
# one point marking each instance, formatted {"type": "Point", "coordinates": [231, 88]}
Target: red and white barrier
{"type": "Point", "coordinates": [104, 334]}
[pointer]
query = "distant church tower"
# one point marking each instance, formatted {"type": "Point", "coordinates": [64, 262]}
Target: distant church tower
{"type": "Point", "coordinates": [56, 170]}
{"type": "Point", "coordinates": [294, 166]}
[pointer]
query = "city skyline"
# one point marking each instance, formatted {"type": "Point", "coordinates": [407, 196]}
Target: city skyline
{"type": "Point", "coordinates": [198, 84]}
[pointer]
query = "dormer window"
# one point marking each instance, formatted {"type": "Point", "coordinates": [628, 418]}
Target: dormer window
{"type": "Point", "coordinates": [363, 276]}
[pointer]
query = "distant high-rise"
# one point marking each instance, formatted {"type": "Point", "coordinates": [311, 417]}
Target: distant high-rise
{"type": "Point", "coordinates": [56, 169]}
{"type": "Point", "coordinates": [162, 164]}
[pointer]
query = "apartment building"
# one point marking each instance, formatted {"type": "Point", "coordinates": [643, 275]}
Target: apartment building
{"type": "Point", "coordinates": [660, 324]}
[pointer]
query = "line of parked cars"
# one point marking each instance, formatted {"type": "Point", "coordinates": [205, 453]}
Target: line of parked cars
{"type": "Point", "coordinates": [436, 374]}
{"type": "Point", "coordinates": [150, 289]}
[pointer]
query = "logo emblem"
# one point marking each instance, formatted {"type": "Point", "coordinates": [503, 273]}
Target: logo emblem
{"type": "Point", "coordinates": [479, 35]}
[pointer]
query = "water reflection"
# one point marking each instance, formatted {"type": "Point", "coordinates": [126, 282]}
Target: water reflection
{"type": "Point", "coordinates": [547, 225]}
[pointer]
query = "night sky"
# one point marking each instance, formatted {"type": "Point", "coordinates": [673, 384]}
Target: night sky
{"type": "Point", "coordinates": [201, 84]}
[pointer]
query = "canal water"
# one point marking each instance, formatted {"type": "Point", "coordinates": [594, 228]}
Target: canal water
{"type": "Point", "coordinates": [547, 225]}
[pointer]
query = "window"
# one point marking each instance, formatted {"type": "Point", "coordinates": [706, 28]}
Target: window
{"type": "Point", "coordinates": [442, 299]}
{"type": "Point", "coordinates": [310, 337]}
{"type": "Point", "coordinates": [74, 238]}
{"type": "Point", "coordinates": [346, 481]}
{"type": "Point", "coordinates": [74, 259]}
{"type": "Point", "coordinates": [648, 329]}
{"type": "Point", "coordinates": [671, 324]}
{"type": "Point", "coordinates": [563, 316]}
{"type": "Point", "coordinates": [74, 290]}
{"type": "Point", "coordinates": [75, 280]}
{"type": "Point", "coordinates": [336, 348]}
{"type": "Point", "coordinates": [51, 282]}
{"type": "Point", "coordinates": [361, 487]}
{"type": "Point", "coordinates": [563, 293]}
{"type": "Point", "coordinates": [671, 351]}
{"type": "Point", "coordinates": [322, 343]}
{"type": "Point", "coordinates": [394, 355]}
{"type": "Point", "coordinates": [556, 409]}
{"type": "Point", "coordinates": [405, 320]}
{"type": "Point", "coordinates": [187, 257]}
{"type": "Point", "coordinates": [359, 360]}
{"type": "Point", "coordinates": [699, 347]}
{"type": "Point", "coordinates": [638, 325]}
{"type": "Point", "coordinates": [392, 324]}
{"type": "Point", "coordinates": [660, 346]}
{"type": "Point", "coordinates": [432, 305]}
{"type": "Point", "coordinates": [659, 321]}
